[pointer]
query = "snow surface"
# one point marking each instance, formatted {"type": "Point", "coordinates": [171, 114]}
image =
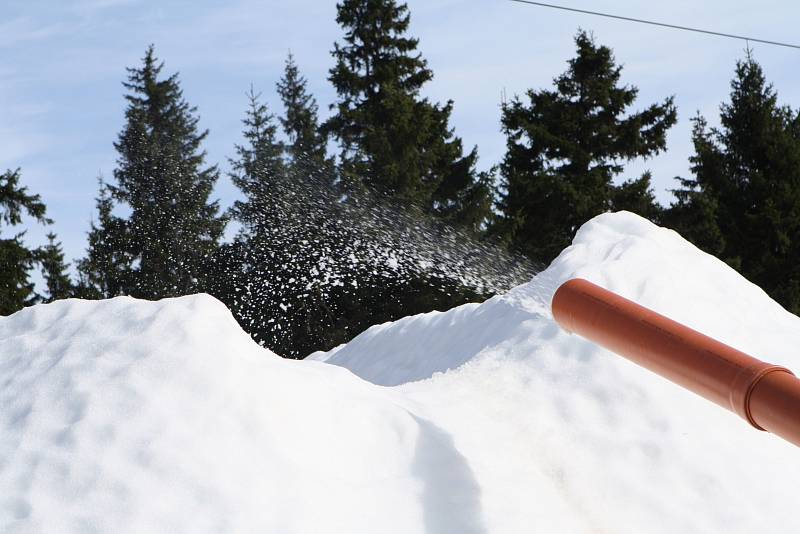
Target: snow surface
{"type": "Point", "coordinates": [133, 416]}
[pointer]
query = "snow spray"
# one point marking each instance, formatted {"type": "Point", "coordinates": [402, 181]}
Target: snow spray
{"type": "Point", "coordinates": [358, 231]}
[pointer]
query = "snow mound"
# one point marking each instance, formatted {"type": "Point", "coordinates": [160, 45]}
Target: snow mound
{"type": "Point", "coordinates": [566, 437]}
{"type": "Point", "coordinates": [134, 416]}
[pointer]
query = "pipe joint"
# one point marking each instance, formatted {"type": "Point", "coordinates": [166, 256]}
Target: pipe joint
{"type": "Point", "coordinates": [745, 383]}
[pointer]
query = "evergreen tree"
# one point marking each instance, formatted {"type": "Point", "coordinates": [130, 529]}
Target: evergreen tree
{"type": "Point", "coordinates": [51, 258]}
{"type": "Point", "coordinates": [565, 148]}
{"type": "Point", "coordinates": [394, 141]}
{"type": "Point", "coordinates": [307, 144]}
{"type": "Point", "coordinates": [398, 156]}
{"type": "Point", "coordinates": [105, 271]}
{"type": "Point", "coordinates": [694, 213]}
{"type": "Point", "coordinates": [258, 170]}
{"type": "Point", "coordinates": [269, 276]}
{"type": "Point", "coordinates": [16, 260]}
{"type": "Point", "coordinates": [161, 178]}
{"type": "Point", "coordinates": [743, 203]}
{"type": "Point", "coordinates": [251, 273]}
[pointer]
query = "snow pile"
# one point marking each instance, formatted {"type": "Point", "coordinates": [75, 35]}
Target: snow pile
{"type": "Point", "coordinates": [131, 416]}
{"type": "Point", "coordinates": [563, 436]}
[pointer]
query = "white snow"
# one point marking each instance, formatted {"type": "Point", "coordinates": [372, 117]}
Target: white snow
{"type": "Point", "coordinates": [133, 416]}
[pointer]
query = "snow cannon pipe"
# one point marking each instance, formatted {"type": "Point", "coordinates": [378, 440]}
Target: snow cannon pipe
{"type": "Point", "coordinates": [767, 396]}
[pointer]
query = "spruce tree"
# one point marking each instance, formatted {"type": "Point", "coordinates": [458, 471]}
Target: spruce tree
{"type": "Point", "coordinates": [743, 202]}
{"type": "Point", "coordinates": [399, 155]}
{"type": "Point", "coordinates": [51, 258]}
{"type": "Point", "coordinates": [248, 272]}
{"type": "Point", "coordinates": [269, 276]}
{"type": "Point", "coordinates": [258, 170]}
{"type": "Point", "coordinates": [566, 146]}
{"type": "Point", "coordinates": [161, 178]}
{"type": "Point", "coordinates": [105, 272]}
{"type": "Point", "coordinates": [307, 143]}
{"type": "Point", "coordinates": [393, 140]}
{"type": "Point", "coordinates": [16, 259]}
{"type": "Point", "coordinates": [694, 212]}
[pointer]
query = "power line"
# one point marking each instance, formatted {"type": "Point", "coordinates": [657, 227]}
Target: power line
{"type": "Point", "coordinates": [662, 24]}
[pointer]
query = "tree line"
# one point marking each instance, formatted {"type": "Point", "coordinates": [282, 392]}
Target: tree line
{"type": "Point", "coordinates": [312, 264]}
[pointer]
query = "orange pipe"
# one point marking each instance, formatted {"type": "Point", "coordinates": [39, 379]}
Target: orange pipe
{"type": "Point", "coordinates": [767, 396]}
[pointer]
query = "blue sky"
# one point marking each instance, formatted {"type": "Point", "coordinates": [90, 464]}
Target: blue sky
{"type": "Point", "coordinates": [63, 61]}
